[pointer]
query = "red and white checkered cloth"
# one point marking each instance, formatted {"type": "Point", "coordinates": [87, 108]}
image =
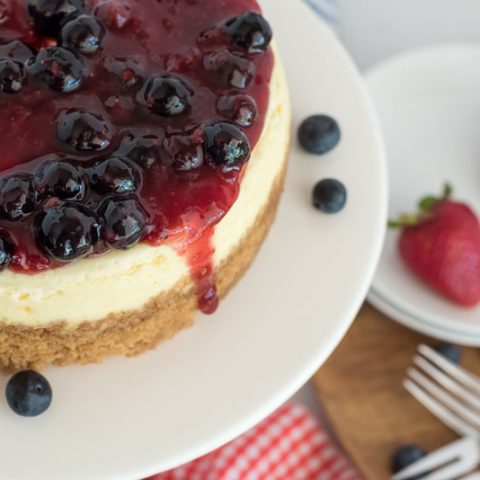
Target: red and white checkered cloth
{"type": "Point", "coordinates": [289, 445]}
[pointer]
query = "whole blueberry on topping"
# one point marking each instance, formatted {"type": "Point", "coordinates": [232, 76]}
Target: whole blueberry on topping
{"type": "Point", "coordinates": [49, 15]}
{"type": "Point", "coordinates": [226, 146]}
{"type": "Point", "coordinates": [67, 231]}
{"type": "Point", "coordinates": [17, 50]}
{"type": "Point", "coordinates": [28, 393]}
{"type": "Point", "coordinates": [18, 197]}
{"type": "Point", "coordinates": [405, 456]}
{"type": "Point", "coordinates": [58, 68]}
{"type": "Point", "coordinates": [83, 34]}
{"type": "Point", "coordinates": [329, 196]}
{"type": "Point", "coordinates": [242, 109]}
{"type": "Point", "coordinates": [83, 131]}
{"type": "Point", "coordinates": [186, 150]}
{"type": "Point", "coordinates": [449, 351]}
{"type": "Point", "coordinates": [144, 151]}
{"type": "Point", "coordinates": [6, 251]}
{"type": "Point", "coordinates": [12, 76]}
{"type": "Point", "coordinates": [115, 175]}
{"type": "Point", "coordinates": [166, 95]}
{"type": "Point", "coordinates": [230, 68]}
{"type": "Point", "coordinates": [124, 222]}
{"type": "Point", "coordinates": [250, 31]}
{"type": "Point", "coordinates": [128, 70]}
{"type": "Point", "coordinates": [319, 134]}
{"type": "Point", "coordinates": [61, 179]}
{"type": "Point", "coordinates": [115, 14]}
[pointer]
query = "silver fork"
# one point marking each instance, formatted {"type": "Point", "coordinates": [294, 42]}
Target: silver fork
{"type": "Point", "coordinates": [452, 394]}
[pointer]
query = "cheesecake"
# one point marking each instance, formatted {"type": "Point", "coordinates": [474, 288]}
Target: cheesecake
{"type": "Point", "coordinates": [144, 149]}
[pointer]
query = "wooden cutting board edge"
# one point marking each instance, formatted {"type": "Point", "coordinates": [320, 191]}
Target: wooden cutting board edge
{"type": "Point", "coordinates": [360, 389]}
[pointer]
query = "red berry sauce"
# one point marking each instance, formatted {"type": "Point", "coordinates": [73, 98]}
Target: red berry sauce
{"type": "Point", "coordinates": [165, 71]}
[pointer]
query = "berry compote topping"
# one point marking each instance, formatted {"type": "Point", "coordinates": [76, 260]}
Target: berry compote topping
{"type": "Point", "coordinates": [126, 121]}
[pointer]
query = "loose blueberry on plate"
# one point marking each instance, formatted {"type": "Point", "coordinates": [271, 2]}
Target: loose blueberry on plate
{"type": "Point", "coordinates": [58, 68]}
{"type": "Point", "coordinates": [242, 109]}
{"type": "Point", "coordinates": [6, 251]}
{"type": "Point", "coordinates": [230, 68]}
{"type": "Point", "coordinates": [405, 456]}
{"type": "Point", "coordinates": [329, 196]}
{"type": "Point", "coordinates": [449, 351]}
{"type": "Point", "coordinates": [226, 146]}
{"type": "Point", "coordinates": [28, 393]}
{"type": "Point", "coordinates": [67, 231]}
{"type": "Point", "coordinates": [12, 76]}
{"type": "Point", "coordinates": [18, 197]}
{"type": "Point", "coordinates": [319, 134]}
{"type": "Point", "coordinates": [61, 179]}
{"type": "Point", "coordinates": [250, 31]}
{"type": "Point", "coordinates": [83, 34]}
{"type": "Point", "coordinates": [124, 222]}
{"type": "Point", "coordinates": [166, 95]}
{"type": "Point", "coordinates": [49, 15]}
{"type": "Point", "coordinates": [115, 175]}
{"type": "Point", "coordinates": [83, 131]}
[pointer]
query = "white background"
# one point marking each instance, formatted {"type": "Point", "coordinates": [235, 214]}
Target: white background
{"type": "Point", "coordinates": [377, 29]}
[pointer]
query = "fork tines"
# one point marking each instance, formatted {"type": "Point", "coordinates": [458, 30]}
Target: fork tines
{"type": "Point", "coordinates": [447, 390]}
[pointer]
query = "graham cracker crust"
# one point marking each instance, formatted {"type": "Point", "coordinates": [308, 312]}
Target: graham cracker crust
{"type": "Point", "coordinates": [131, 333]}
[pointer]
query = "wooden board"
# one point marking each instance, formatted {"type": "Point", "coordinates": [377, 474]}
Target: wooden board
{"type": "Point", "coordinates": [361, 390]}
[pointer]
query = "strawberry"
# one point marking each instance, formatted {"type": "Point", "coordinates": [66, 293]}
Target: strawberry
{"type": "Point", "coordinates": [441, 246]}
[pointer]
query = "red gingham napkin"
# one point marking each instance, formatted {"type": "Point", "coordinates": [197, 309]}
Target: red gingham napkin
{"type": "Point", "coordinates": [289, 445]}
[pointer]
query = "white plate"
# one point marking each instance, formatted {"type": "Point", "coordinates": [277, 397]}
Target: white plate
{"type": "Point", "coordinates": [129, 418]}
{"type": "Point", "coordinates": [429, 108]}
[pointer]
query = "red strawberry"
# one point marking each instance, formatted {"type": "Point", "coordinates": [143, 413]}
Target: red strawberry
{"type": "Point", "coordinates": [441, 246]}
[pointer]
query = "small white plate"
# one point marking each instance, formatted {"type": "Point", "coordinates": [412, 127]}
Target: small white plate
{"type": "Point", "coordinates": [129, 418]}
{"type": "Point", "coordinates": [429, 107]}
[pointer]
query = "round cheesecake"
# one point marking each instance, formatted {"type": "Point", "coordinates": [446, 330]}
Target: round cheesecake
{"type": "Point", "coordinates": [143, 163]}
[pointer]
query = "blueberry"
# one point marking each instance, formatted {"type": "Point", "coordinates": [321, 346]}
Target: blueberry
{"type": "Point", "coordinates": [144, 151]}
{"type": "Point", "coordinates": [449, 351]}
{"type": "Point", "coordinates": [186, 151]}
{"type": "Point", "coordinates": [61, 179]}
{"type": "Point", "coordinates": [58, 68]}
{"type": "Point", "coordinates": [17, 50]}
{"type": "Point", "coordinates": [67, 231]}
{"type": "Point", "coordinates": [124, 222]}
{"type": "Point", "coordinates": [230, 68]}
{"type": "Point", "coordinates": [49, 15]}
{"type": "Point", "coordinates": [115, 175]}
{"type": "Point", "coordinates": [18, 197]}
{"type": "Point", "coordinates": [329, 196]}
{"type": "Point", "coordinates": [128, 70]}
{"type": "Point", "coordinates": [28, 393]}
{"type": "Point", "coordinates": [319, 134]}
{"type": "Point", "coordinates": [242, 109]}
{"type": "Point", "coordinates": [115, 14]}
{"type": "Point", "coordinates": [83, 131]}
{"type": "Point", "coordinates": [406, 456]}
{"type": "Point", "coordinates": [12, 76]}
{"type": "Point", "coordinates": [226, 146]}
{"type": "Point", "coordinates": [83, 34]}
{"type": "Point", "coordinates": [250, 31]}
{"type": "Point", "coordinates": [166, 95]}
{"type": "Point", "coordinates": [6, 251]}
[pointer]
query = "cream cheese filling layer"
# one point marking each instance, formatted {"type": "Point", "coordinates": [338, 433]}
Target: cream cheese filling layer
{"type": "Point", "coordinates": [94, 288]}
